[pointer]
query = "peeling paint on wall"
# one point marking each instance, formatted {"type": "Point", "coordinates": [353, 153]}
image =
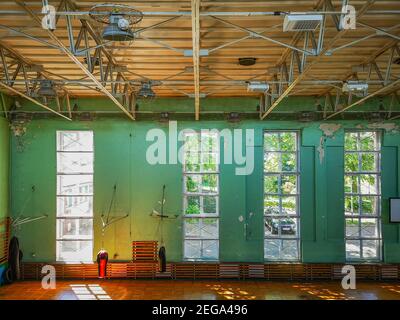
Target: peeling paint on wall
{"type": "Point", "coordinates": [389, 127]}
{"type": "Point", "coordinates": [328, 131]}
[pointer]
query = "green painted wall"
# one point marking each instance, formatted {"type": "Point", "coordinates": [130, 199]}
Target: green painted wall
{"type": "Point", "coordinates": [4, 174]}
{"type": "Point", "coordinates": [120, 149]}
{"type": "Point", "coordinates": [4, 167]}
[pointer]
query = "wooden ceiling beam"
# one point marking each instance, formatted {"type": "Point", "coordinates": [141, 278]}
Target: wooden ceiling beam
{"type": "Point", "coordinates": [196, 55]}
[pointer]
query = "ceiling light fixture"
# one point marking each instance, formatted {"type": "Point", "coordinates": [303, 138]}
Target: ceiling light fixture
{"type": "Point", "coordinates": [46, 89]}
{"type": "Point", "coordinates": [119, 18]}
{"type": "Point", "coordinates": [146, 91]}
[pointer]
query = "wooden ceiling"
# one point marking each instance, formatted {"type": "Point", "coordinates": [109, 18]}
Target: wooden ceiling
{"type": "Point", "coordinates": [147, 59]}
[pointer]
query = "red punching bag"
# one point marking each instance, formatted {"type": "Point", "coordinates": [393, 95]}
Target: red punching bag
{"type": "Point", "coordinates": [102, 259]}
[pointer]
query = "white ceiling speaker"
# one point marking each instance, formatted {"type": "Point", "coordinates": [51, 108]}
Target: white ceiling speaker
{"type": "Point", "coordinates": [256, 86]}
{"type": "Point", "coordinates": [301, 22]}
{"type": "Point", "coordinates": [120, 20]}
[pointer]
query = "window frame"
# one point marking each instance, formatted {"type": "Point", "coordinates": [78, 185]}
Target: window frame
{"type": "Point", "coordinates": [280, 195]}
{"type": "Point", "coordinates": [377, 172]}
{"type": "Point", "coordinates": [201, 216]}
{"type": "Point", "coordinates": [73, 197]}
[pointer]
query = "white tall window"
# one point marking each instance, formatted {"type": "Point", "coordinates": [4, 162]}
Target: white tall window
{"type": "Point", "coordinates": [363, 195]}
{"type": "Point", "coordinates": [281, 196]}
{"type": "Point", "coordinates": [201, 196]}
{"type": "Point", "coordinates": [75, 156]}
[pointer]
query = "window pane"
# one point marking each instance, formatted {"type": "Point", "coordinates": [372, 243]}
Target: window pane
{"type": "Point", "coordinates": [281, 250]}
{"type": "Point", "coordinates": [204, 228]}
{"type": "Point", "coordinates": [205, 183]}
{"type": "Point", "coordinates": [368, 184]}
{"type": "Point", "coordinates": [351, 184]}
{"type": "Point", "coordinates": [209, 143]}
{"type": "Point", "coordinates": [368, 141]}
{"type": "Point", "coordinates": [352, 227]}
{"type": "Point", "coordinates": [351, 162]}
{"type": "Point", "coordinates": [289, 250]}
{"type": "Point", "coordinates": [74, 229]}
{"type": "Point", "coordinates": [271, 162]}
{"type": "Point", "coordinates": [209, 162]}
{"type": "Point", "coordinates": [370, 205]}
{"type": "Point", "coordinates": [70, 163]}
{"type": "Point", "coordinates": [369, 228]}
{"type": "Point", "coordinates": [271, 184]}
{"type": "Point", "coordinates": [75, 185]}
{"type": "Point", "coordinates": [369, 162]}
{"type": "Point", "coordinates": [289, 162]}
{"type": "Point", "coordinates": [201, 249]}
{"type": "Point", "coordinates": [192, 249]}
{"type": "Point", "coordinates": [75, 141]}
{"type": "Point", "coordinates": [351, 205]}
{"type": "Point", "coordinates": [271, 205]}
{"type": "Point", "coordinates": [370, 249]}
{"type": "Point", "coordinates": [288, 141]}
{"type": "Point", "coordinates": [75, 206]}
{"type": "Point", "coordinates": [353, 249]}
{"type": "Point", "coordinates": [283, 227]}
{"type": "Point", "coordinates": [192, 162]}
{"type": "Point", "coordinates": [288, 184]}
{"type": "Point", "coordinates": [210, 205]}
{"type": "Point", "coordinates": [192, 205]}
{"type": "Point", "coordinates": [74, 251]}
{"type": "Point", "coordinates": [350, 141]}
{"type": "Point", "coordinates": [271, 141]}
{"type": "Point", "coordinates": [209, 250]}
{"type": "Point", "coordinates": [192, 143]}
{"type": "Point", "coordinates": [289, 205]}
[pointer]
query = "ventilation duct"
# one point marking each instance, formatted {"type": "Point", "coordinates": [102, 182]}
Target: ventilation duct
{"type": "Point", "coordinates": [301, 22]}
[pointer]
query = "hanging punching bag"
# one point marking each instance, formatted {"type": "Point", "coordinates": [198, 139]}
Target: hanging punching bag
{"type": "Point", "coordinates": [162, 257]}
{"type": "Point", "coordinates": [14, 261]}
{"type": "Point", "coordinates": [102, 259]}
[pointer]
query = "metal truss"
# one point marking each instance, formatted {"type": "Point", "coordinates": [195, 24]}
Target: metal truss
{"type": "Point", "coordinates": [14, 67]}
{"type": "Point", "coordinates": [74, 58]}
{"type": "Point", "coordinates": [389, 82]}
{"type": "Point", "coordinates": [104, 74]}
{"type": "Point", "coordinates": [304, 68]}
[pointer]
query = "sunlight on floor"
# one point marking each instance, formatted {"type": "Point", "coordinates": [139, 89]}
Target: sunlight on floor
{"type": "Point", "coordinates": [322, 293]}
{"type": "Point", "coordinates": [231, 293]}
{"type": "Point", "coordinates": [89, 292]}
{"type": "Point", "coordinates": [392, 288]}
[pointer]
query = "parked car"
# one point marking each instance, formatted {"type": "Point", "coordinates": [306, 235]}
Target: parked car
{"type": "Point", "coordinates": [286, 226]}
